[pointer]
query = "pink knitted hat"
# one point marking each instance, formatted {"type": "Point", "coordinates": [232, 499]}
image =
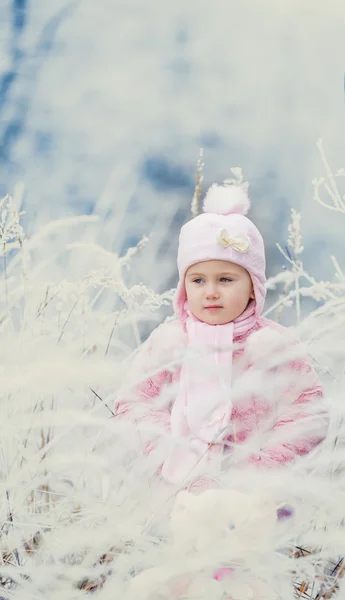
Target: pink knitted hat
{"type": "Point", "coordinates": [222, 232]}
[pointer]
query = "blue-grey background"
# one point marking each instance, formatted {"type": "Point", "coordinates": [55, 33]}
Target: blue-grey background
{"type": "Point", "coordinates": [104, 106]}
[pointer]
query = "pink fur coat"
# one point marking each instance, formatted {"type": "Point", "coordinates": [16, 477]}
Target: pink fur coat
{"type": "Point", "coordinates": [277, 399]}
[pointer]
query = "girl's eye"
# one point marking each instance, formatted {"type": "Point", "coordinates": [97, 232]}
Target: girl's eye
{"type": "Point", "coordinates": [225, 279]}
{"type": "Point", "coordinates": [197, 280]}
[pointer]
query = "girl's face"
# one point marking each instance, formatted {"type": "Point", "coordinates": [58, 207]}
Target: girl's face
{"type": "Point", "coordinates": [218, 291]}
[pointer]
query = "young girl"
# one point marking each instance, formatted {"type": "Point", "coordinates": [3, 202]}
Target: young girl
{"type": "Point", "coordinates": [227, 374]}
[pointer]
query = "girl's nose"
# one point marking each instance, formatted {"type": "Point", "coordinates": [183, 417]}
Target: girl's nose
{"type": "Point", "coordinates": [212, 291]}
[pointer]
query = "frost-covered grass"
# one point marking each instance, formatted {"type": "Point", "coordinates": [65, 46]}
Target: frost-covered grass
{"type": "Point", "coordinates": [80, 508]}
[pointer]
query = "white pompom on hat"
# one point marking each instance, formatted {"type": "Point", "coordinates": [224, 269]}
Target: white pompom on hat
{"type": "Point", "coordinates": [227, 199]}
{"type": "Point", "coordinates": [222, 232]}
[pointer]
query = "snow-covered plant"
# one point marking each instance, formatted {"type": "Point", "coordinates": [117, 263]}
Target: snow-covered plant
{"type": "Point", "coordinates": [297, 282]}
{"type": "Point", "coordinates": [63, 340]}
{"type": "Point", "coordinates": [195, 206]}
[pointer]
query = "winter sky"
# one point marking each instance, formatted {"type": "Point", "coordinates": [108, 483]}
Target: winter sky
{"type": "Point", "coordinates": [104, 106]}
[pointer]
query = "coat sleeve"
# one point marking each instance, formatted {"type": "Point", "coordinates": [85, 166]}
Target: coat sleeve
{"type": "Point", "coordinates": [137, 400]}
{"type": "Point", "coordinates": [301, 419]}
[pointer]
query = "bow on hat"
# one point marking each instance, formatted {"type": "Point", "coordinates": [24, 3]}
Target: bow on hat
{"type": "Point", "coordinates": [240, 243]}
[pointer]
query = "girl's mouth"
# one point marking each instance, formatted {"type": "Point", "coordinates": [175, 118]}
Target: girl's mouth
{"type": "Point", "coordinates": [213, 308]}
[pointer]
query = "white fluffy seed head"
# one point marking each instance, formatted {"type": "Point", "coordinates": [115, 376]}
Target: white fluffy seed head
{"type": "Point", "coordinates": [227, 199]}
